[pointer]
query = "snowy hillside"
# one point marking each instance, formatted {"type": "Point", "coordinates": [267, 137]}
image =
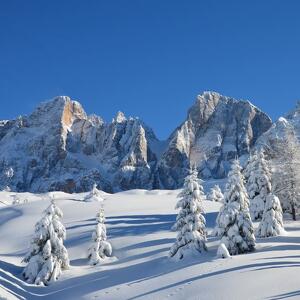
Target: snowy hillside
{"type": "Point", "coordinates": [138, 227]}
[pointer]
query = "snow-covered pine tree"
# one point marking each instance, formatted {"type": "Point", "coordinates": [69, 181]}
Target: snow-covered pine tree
{"type": "Point", "coordinates": [215, 194]}
{"type": "Point", "coordinates": [220, 228]}
{"type": "Point", "coordinates": [271, 223]}
{"type": "Point", "coordinates": [47, 256]}
{"type": "Point", "coordinates": [250, 166]}
{"type": "Point", "coordinates": [190, 222]}
{"type": "Point", "coordinates": [100, 248]}
{"type": "Point", "coordinates": [286, 175]}
{"type": "Point", "coordinates": [258, 184]}
{"type": "Point", "coordinates": [235, 223]}
{"type": "Point", "coordinates": [94, 194]}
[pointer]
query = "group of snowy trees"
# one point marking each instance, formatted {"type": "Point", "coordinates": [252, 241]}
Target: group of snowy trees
{"type": "Point", "coordinates": [285, 159]}
{"type": "Point", "coordinates": [241, 205]}
{"type": "Point", "coordinates": [48, 257]}
{"type": "Point", "coordinates": [264, 204]}
{"type": "Point", "coordinates": [249, 196]}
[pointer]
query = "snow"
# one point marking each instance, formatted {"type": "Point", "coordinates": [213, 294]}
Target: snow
{"type": "Point", "coordinates": [138, 227]}
{"type": "Point", "coordinates": [223, 251]}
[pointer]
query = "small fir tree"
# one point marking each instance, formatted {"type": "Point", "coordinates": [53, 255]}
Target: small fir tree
{"type": "Point", "coordinates": [190, 222]}
{"type": "Point", "coordinates": [258, 184]}
{"type": "Point", "coordinates": [235, 224]}
{"type": "Point", "coordinates": [47, 256]}
{"type": "Point", "coordinates": [94, 194]}
{"type": "Point", "coordinates": [220, 221]}
{"type": "Point", "coordinates": [215, 194]}
{"type": "Point", "coordinates": [271, 223]}
{"type": "Point", "coordinates": [100, 248]}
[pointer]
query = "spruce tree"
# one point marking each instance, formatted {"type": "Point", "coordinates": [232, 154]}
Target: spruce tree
{"type": "Point", "coordinates": [285, 156]}
{"type": "Point", "coordinates": [47, 256]}
{"type": "Point", "coordinates": [215, 194]}
{"type": "Point", "coordinates": [220, 221]}
{"type": "Point", "coordinates": [94, 194]}
{"type": "Point", "coordinates": [251, 165]}
{"type": "Point", "coordinates": [100, 248]}
{"type": "Point", "coordinates": [258, 184]}
{"type": "Point", "coordinates": [190, 222]}
{"type": "Point", "coordinates": [271, 223]}
{"type": "Point", "coordinates": [235, 223]}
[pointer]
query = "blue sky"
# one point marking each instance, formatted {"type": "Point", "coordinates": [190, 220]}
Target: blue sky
{"type": "Point", "coordinates": [148, 58]}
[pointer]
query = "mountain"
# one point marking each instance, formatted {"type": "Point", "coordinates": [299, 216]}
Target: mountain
{"type": "Point", "coordinates": [60, 147]}
{"type": "Point", "coordinates": [217, 130]}
{"type": "Point", "coordinates": [284, 125]}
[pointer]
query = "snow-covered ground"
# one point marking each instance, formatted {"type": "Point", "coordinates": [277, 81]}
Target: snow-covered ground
{"type": "Point", "coordinates": [138, 226]}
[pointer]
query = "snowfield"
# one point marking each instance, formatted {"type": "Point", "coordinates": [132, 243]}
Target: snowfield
{"type": "Point", "coordinates": [138, 227]}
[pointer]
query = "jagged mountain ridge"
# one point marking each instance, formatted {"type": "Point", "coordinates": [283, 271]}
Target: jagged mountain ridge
{"type": "Point", "coordinates": [290, 123]}
{"type": "Point", "coordinates": [217, 130]}
{"type": "Point", "coordinates": [59, 147]}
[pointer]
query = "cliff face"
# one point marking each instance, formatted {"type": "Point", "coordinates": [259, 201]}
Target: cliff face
{"type": "Point", "coordinates": [59, 147]}
{"type": "Point", "coordinates": [217, 130]}
{"type": "Point", "coordinates": [280, 129]}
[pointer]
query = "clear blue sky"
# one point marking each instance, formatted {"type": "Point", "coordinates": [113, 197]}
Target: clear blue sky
{"type": "Point", "coordinates": [148, 58]}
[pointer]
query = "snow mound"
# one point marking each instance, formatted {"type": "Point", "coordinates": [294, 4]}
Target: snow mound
{"type": "Point", "coordinates": [223, 251]}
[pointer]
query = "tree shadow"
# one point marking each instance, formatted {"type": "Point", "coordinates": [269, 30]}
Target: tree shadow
{"type": "Point", "coordinates": [258, 267]}
{"type": "Point", "coordinates": [138, 224]}
{"type": "Point", "coordinates": [9, 213]}
{"type": "Point", "coordinates": [148, 244]}
{"type": "Point", "coordinates": [286, 295]}
{"type": "Point", "coordinates": [280, 239]}
{"type": "Point", "coordinates": [79, 262]}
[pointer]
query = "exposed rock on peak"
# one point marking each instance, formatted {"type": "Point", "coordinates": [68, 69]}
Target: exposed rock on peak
{"type": "Point", "coordinates": [279, 130]}
{"type": "Point", "coordinates": [217, 130]}
{"type": "Point", "coordinates": [120, 117]}
{"type": "Point", "coordinates": [59, 147]}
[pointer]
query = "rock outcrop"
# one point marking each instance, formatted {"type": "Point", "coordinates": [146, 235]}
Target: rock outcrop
{"type": "Point", "coordinates": [59, 147]}
{"type": "Point", "coordinates": [217, 130]}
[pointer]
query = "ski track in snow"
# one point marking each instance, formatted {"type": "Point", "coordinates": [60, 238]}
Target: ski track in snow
{"type": "Point", "coordinates": [138, 227]}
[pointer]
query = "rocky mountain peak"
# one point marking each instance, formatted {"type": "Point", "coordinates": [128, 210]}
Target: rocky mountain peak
{"type": "Point", "coordinates": [217, 129]}
{"type": "Point", "coordinates": [59, 110]}
{"type": "Point", "coordinates": [59, 147]}
{"type": "Point", "coordinates": [120, 117]}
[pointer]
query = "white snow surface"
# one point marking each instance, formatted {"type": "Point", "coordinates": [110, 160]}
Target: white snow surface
{"type": "Point", "coordinates": [139, 228]}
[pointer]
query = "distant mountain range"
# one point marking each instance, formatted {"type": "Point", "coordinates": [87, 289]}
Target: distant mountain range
{"type": "Point", "coordinates": [59, 147]}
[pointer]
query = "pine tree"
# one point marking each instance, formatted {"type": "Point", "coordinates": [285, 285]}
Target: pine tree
{"type": "Point", "coordinates": [235, 223]}
{"type": "Point", "coordinates": [251, 165]}
{"type": "Point", "coordinates": [100, 248]}
{"type": "Point", "coordinates": [286, 176]}
{"type": "Point", "coordinates": [47, 256]}
{"type": "Point", "coordinates": [190, 222]}
{"type": "Point", "coordinates": [220, 221]}
{"type": "Point", "coordinates": [215, 194]}
{"type": "Point", "coordinates": [271, 223]}
{"type": "Point", "coordinates": [258, 184]}
{"type": "Point", "coordinates": [94, 194]}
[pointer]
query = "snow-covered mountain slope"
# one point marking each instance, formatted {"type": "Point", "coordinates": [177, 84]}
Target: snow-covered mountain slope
{"type": "Point", "coordinates": [138, 227]}
{"type": "Point", "coordinates": [59, 147]}
{"type": "Point", "coordinates": [279, 129]}
{"type": "Point", "coordinates": [217, 130]}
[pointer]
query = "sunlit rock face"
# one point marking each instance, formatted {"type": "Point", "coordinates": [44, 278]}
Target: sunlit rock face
{"type": "Point", "coordinates": [60, 147]}
{"type": "Point", "coordinates": [217, 130]}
